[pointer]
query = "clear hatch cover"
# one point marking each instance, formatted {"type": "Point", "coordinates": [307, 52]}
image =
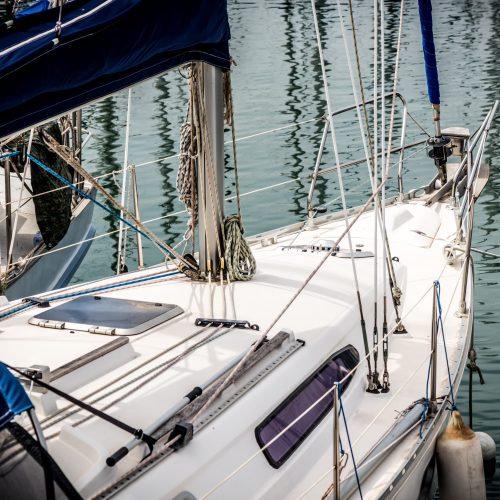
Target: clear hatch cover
{"type": "Point", "coordinates": [106, 315]}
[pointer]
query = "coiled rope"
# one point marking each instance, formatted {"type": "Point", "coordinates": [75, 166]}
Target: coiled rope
{"type": "Point", "coordinates": [186, 175]}
{"type": "Point", "coordinates": [239, 261]}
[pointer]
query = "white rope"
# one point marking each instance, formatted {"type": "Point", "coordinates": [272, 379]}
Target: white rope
{"type": "Point", "coordinates": [120, 260]}
{"type": "Point", "coordinates": [185, 180]}
{"type": "Point", "coordinates": [382, 134]}
{"type": "Point", "coordinates": [396, 291]}
{"type": "Point", "coordinates": [239, 261]}
{"type": "Point", "coordinates": [261, 339]}
{"type": "Point", "coordinates": [394, 88]}
{"type": "Point", "coordinates": [77, 184]}
{"type": "Point", "coordinates": [180, 212]}
{"type": "Point", "coordinates": [187, 184]}
{"type": "Point", "coordinates": [376, 204]}
{"type": "Point", "coordinates": [483, 252]}
{"type": "Point", "coordinates": [244, 138]}
{"type": "Point", "coordinates": [328, 392]}
{"type": "Point", "coordinates": [334, 141]}
{"type": "Point", "coordinates": [400, 438]}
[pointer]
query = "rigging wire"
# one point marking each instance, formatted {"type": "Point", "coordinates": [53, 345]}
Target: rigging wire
{"type": "Point", "coordinates": [262, 338]}
{"type": "Point", "coordinates": [238, 258]}
{"type": "Point", "coordinates": [376, 204]}
{"type": "Point", "coordinates": [386, 272]}
{"type": "Point", "coordinates": [10, 250]}
{"type": "Point", "coordinates": [144, 231]}
{"type": "Point", "coordinates": [370, 376]}
{"type": "Point", "coordinates": [158, 242]}
{"type": "Point", "coordinates": [351, 372]}
{"type": "Point", "coordinates": [394, 289]}
{"type": "Point", "coordinates": [51, 420]}
{"type": "Point", "coordinates": [360, 79]}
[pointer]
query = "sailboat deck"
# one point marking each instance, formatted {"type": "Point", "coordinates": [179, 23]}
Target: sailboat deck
{"type": "Point", "coordinates": [324, 316]}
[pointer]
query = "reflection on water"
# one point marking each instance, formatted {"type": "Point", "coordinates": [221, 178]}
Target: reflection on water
{"type": "Point", "coordinates": [278, 82]}
{"type": "Point", "coordinates": [168, 170]}
{"type": "Point", "coordinates": [106, 145]}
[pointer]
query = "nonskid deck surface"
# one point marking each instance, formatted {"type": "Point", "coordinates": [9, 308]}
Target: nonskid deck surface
{"type": "Point", "coordinates": [325, 316]}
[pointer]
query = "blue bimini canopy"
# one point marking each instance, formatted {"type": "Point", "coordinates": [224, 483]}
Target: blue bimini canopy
{"type": "Point", "coordinates": [13, 397]}
{"type": "Point", "coordinates": [101, 46]}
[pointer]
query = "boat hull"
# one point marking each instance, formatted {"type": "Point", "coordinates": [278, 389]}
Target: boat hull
{"type": "Point", "coordinates": [55, 269]}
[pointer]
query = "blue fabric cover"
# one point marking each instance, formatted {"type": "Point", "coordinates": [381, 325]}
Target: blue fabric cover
{"type": "Point", "coordinates": [116, 46]}
{"type": "Point", "coordinates": [425, 11]}
{"type": "Point", "coordinates": [13, 397]}
{"type": "Point", "coordinates": [37, 7]}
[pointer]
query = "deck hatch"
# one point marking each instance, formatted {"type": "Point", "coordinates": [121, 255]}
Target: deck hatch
{"type": "Point", "coordinates": [310, 391]}
{"type": "Point", "coordinates": [107, 315]}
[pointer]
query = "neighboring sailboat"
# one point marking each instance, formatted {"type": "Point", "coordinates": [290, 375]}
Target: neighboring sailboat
{"type": "Point", "coordinates": [46, 229]}
{"type": "Point", "coordinates": [314, 360]}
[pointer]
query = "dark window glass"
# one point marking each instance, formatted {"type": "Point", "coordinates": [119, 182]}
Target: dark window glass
{"type": "Point", "coordinates": [302, 398]}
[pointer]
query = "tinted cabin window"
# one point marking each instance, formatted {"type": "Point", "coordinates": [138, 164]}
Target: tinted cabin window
{"type": "Point", "coordinates": [302, 398]}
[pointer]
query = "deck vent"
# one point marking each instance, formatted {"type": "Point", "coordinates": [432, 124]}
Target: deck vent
{"type": "Point", "coordinates": [322, 245]}
{"type": "Point", "coordinates": [107, 315]}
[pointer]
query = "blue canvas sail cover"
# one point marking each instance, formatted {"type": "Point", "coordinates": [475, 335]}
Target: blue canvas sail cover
{"type": "Point", "coordinates": [13, 397]}
{"type": "Point", "coordinates": [99, 47]}
{"type": "Point", "coordinates": [431, 70]}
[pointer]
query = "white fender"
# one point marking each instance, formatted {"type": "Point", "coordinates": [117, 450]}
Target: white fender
{"type": "Point", "coordinates": [489, 451]}
{"type": "Point", "coordinates": [460, 462]}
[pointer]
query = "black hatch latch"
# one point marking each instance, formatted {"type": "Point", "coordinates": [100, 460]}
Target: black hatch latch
{"type": "Point", "coordinates": [37, 302]}
{"type": "Point", "coordinates": [226, 323]}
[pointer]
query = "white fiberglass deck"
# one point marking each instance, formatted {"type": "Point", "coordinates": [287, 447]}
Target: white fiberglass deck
{"type": "Point", "coordinates": [325, 316]}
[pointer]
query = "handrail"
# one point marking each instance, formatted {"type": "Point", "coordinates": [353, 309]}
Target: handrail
{"type": "Point", "coordinates": [352, 163]}
{"type": "Point", "coordinates": [317, 171]}
{"type": "Point", "coordinates": [453, 183]}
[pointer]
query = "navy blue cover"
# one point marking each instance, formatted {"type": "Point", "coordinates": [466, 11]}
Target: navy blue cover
{"type": "Point", "coordinates": [37, 7]}
{"type": "Point", "coordinates": [425, 11]}
{"type": "Point", "coordinates": [120, 43]}
{"type": "Point", "coordinates": [13, 397]}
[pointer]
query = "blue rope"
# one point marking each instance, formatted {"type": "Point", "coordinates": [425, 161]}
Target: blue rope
{"type": "Point", "coordinates": [440, 324]}
{"type": "Point", "coordinates": [8, 155]}
{"type": "Point", "coordinates": [118, 285]}
{"type": "Point", "coordinates": [341, 411]}
{"type": "Point", "coordinates": [426, 405]}
{"type": "Point", "coordinates": [99, 204]}
{"type": "Point", "coordinates": [16, 310]}
{"type": "Point", "coordinates": [93, 290]}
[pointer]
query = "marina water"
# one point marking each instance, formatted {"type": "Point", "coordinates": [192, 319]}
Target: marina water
{"type": "Point", "coordinates": [277, 86]}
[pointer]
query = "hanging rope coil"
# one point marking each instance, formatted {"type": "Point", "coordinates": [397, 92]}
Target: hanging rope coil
{"type": "Point", "coordinates": [186, 175]}
{"type": "Point", "coordinates": [239, 261]}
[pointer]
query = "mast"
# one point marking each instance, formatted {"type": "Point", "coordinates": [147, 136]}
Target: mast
{"type": "Point", "coordinates": [211, 170]}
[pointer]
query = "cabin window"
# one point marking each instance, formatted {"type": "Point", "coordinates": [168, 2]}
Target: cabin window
{"type": "Point", "coordinates": [302, 398]}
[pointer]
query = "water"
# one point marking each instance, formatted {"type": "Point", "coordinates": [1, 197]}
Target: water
{"type": "Point", "coordinates": [277, 82]}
